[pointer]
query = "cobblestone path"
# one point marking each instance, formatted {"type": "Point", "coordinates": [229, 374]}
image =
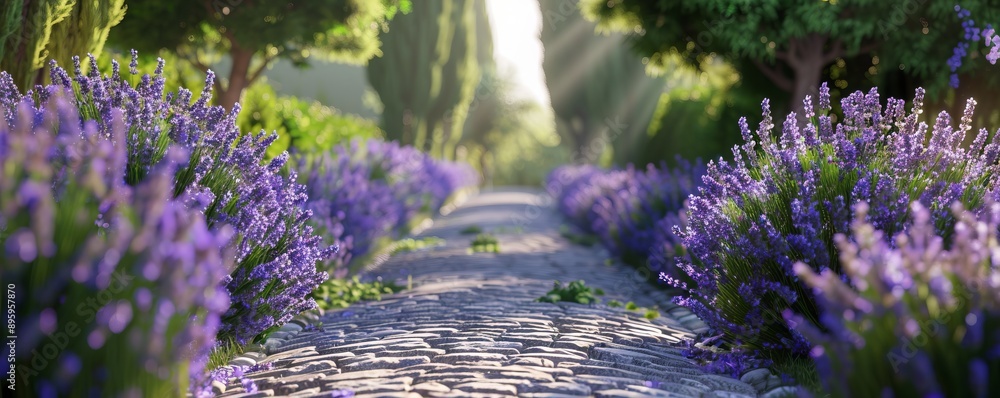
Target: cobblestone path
{"type": "Point", "coordinates": [470, 326]}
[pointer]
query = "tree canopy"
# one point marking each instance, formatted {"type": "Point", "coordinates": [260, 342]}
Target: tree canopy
{"type": "Point", "coordinates": [796, 43]}
{"type": "Point", "coordinates": [34, 32]}
{"type": "Point", "coordinates": [254, 33]}
{"type": "Point", "coordinates": [427, 75]}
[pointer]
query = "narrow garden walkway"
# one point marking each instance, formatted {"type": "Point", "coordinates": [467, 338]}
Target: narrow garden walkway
{"type": "Point", "coordinates": [470, 325]}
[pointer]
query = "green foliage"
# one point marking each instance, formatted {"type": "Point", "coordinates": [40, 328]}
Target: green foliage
{"type": "Point", "coordinates": [222, 353]}
{"type": "Point", "coordinates": [341, 293]}
{"type": "Point", "coordinates": [631, 306]}
{"type": "Point", "coordinates": [802, 372]}
{"type": "Point", "coordinates": [256, 33]}
{"type": "Point", "coordinates": [575, 292]}
{"type": "Point", "coordinates": [697, 117]}
{"type": "Point", "coordinates": [34, 32]}
{"type": "Point", "coordinates": [306, 127]}
{"type": "Point", "coordinates": [427, 74]}
{"type": "Point", "coordinates": [600, 95]}
{"type": "Point", "coordinates": [796, 43]}
{"type": "Point", "coordinates": [485, 242]}
{"type": "Point", "coordinates": [614, 304]}
{"type": "Point", "coordinates": [410, 244]}
{"type": "Point", "coordinates": [471, 230]}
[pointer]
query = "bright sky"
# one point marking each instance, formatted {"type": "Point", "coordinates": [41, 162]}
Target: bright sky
{"type": "Point", "coordinates": [515, 25]}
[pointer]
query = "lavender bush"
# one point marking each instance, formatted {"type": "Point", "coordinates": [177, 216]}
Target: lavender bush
{"type": "Point", "coordinates": [915, 318]}
{"type": "Point", "coordinates": [226, 179]}
{"type": "Point", "coordinates": [770, 208]}
{"type": "Point", "coordinates": [117, 286]}
{"type": "Point", "coordinates": [631, 211]}
{"type": "Point", "coordinates": [370, 190]}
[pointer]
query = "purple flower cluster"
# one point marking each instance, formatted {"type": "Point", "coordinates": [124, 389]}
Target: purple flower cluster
{"type": "Point", "coordinates": [914, 317]}
{"type": "Point", "coordinates": [971, 34]}
{"type": "Point", "coordinates": [993, 43]}
{"type": "Point", "coordinates": [732, 363]}
{"type": "Point", "coordinates": [365, 191]}
{"type": "Point", "coordinates": [631, 211]}
{"type": "Point", "coordinates": [769, 208]}
{"type": "Point", "coordinates": [226, 178]}
{"type": "Point", "coordinates": [228, 374]}
{"type": "Point", "coordinates": [102, 267]}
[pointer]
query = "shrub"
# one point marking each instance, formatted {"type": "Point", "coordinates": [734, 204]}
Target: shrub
{"type": "Point", "coordinates": [117, 287]}
{"type": "Point", "coordinates": [382, 186]}
{"type": "Point", "coordinates": [757, 216]}
{"type": "Point", "coordinates": [300, 125]}
{"type": "Point", "coordinates": [631, 211]}
{"type": "Point", "coordinates": [915, 317]}
{"type": "Point", "coordinates": [226, 179]}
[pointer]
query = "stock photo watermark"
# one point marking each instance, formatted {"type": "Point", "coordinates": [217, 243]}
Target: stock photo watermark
{"type": "Point", "coordinates": [11, 343]}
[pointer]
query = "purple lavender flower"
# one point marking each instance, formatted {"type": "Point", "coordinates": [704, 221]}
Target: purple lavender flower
{"type": "Point", "coordinates": [366, 191]}
{"type": "Point", "coordinates": [117, 268]}
{"type": "Point", "coordinates": [633, 212]}
{"type": "Point", "coordinates": [913, 317]}
{"type": "Point", "coordinates": [971, 34]}
{"type": "Point", "coordinates": [225, 176]}
{"type": "Point", "coordinates": [754, 218]}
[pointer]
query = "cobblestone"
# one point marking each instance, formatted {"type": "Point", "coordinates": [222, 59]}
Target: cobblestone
{"type": "Point", "coordinates": [470, 327]}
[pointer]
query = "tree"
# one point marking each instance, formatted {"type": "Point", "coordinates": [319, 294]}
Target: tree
{"type": "Point", "coordinates": [254, 33]}
{"type": "Point", "coordinates": [795, 42]}
{"type": "Point", "coordinates": [34, 32]}
{"type": "Point", "coordinates": [483, 112]}
{"type": "Point", "coordinates": [599, 90]}
{"type": "Point", "coordinates": [460, 76]}
{"type": "Point", "coordinates": [427, 74]}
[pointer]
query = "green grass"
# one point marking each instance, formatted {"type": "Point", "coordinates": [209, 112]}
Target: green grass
{"type": "Point", "coordinates": [471, 230]}
{"type": "Point", "coordinates": [224, 352]}
{"type": "Point", "coordinates": [586, 240]}
{"type": "Point", "coordinates": [803, 372]}
{"type": "Point", "coordinates": [410, 244]}
{"type": "Point", "coordinates": [574, 292]}
{"type": "Point", "coordinates": [340, 293]}
{"type": "Point", "coordinates": [485, 243]}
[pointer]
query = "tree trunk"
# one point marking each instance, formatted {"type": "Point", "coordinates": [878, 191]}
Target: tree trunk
{"type": "Point", "coordinates": [807, 59]}
{"type": "Point", "coordinates": [238, 77]}
{"type": "Point", "coordinates": [807, 81]}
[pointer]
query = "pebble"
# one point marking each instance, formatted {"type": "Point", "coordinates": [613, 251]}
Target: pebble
{"type": "Point", "coordinates": [781, 392]}
{"type": "Point", "coordinates": [242, 361]}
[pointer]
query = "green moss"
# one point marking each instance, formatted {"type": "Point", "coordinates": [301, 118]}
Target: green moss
{"type": "Point", "coordinates": [485, 242]}
{"type": "Point", "coordinates": [340, 293]}
{"type": "Point", "coordinates": [574, 292]}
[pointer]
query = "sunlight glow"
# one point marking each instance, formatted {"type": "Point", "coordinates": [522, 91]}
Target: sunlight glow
{"type": "Point", "coordinates": [515, 25]}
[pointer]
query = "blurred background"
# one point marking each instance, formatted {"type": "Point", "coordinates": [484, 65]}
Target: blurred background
{"type": "Point", "coordinates": [516, 87]}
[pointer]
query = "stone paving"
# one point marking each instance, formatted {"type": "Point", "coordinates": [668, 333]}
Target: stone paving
{"type": "Point", "coordinates": [470, 326]}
